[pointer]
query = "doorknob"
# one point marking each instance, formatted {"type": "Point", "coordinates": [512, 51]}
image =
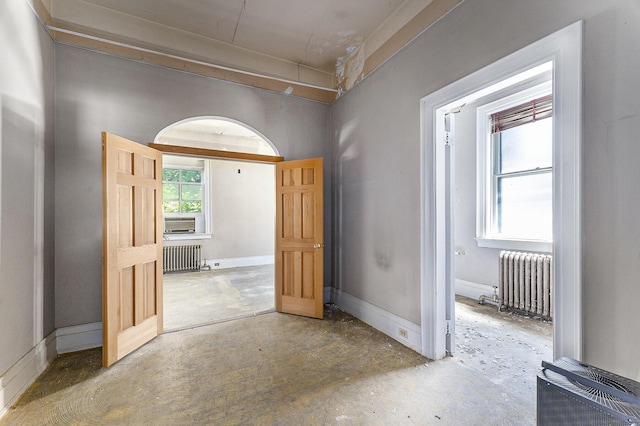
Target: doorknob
{"type": "Point", "coordinates": [318, 245]}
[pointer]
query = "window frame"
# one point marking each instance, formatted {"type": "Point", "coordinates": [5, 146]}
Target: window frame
{"type": "Point", "coordinates": [203, 219]}
{"type": "Point", "coordinates": [486, 199]}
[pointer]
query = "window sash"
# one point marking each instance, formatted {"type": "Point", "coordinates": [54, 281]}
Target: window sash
{"type": "Point", "coordinates": [181, 199]}
{"type": "Point", "coordinates": [494, 229]}
{"type": "Point", "coordinates": [534, 214]}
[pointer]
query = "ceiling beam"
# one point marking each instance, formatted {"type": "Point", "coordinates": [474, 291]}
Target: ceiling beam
{"type": "Point", "coordinates": [214, 153]}
{"type": "Point", "coordinates": [196, 66]}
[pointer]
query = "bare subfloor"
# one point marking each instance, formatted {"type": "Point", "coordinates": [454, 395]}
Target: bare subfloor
{"type": "Point", "coordinates": [277, 369]}
{"type": "Point", "coordinates": [196, 298]}
{"type": "Point", "coordinates": [505, 347]}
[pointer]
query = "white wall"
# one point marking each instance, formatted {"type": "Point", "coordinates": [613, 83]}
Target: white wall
{"type": "Point", "coordinates": [478, 264]}
{"type": "Point", "coordinates": [243, 210]}
{"type": "Point", "coordinates": [96, 92]}
{"type": "Point", "coordinates": [376, 152]}
{"type": "Point", "coordinates": [26, 190]}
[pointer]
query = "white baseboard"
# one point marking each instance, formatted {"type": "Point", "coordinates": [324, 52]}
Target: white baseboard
{"type": "Point", "coordinates": [238, 262]}
{"type": "Point", "coordinates": [23, 373]}
{"type": "Point", "coordinates": [473, 290]}
{"type": "Point", "coordinates": [384, 321]}
{"type": "Point", "coordinates": [79, 337]}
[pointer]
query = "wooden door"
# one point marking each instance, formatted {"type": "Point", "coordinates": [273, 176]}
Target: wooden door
{"type": "Point", "coordinates": [132, 246]}
{"type": "Point", "coordinates": [299, 238]}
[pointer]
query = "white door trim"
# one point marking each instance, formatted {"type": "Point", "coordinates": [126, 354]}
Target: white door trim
{"type": "Point", "coordinates": [564, 48]}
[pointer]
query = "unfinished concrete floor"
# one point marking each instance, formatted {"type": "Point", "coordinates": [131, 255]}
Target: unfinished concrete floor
{"type": "Point", "coordinates": [506, 347]}
{"type": "Point", "coordinates": [196, 298]}
{"type": "Point", "coordinates": [277, 369]}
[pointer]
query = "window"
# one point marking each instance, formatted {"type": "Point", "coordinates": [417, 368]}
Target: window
{"type": "Point", "coordinates": [185, 198]}
{"type": "Point", "coordinates": [182, 190]}
{"type": "Point", "coordinates": [515, 206]}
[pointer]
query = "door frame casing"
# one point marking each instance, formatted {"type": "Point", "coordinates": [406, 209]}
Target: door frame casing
{"type": "Point", "coordinates": [564, 48]}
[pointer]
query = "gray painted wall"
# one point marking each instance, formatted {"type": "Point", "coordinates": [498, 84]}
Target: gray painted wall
{"type": "Point", "coordinates": [26, 183]}
{"type": "Point", "coordinates": [97, 92]}
{"type": "Point", "coordinates": [478, 264]}
{"type": "Point", "coordinates": [376, 160]}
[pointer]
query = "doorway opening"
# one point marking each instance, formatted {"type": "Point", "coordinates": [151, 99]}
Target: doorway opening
{"type": "Point", "coordinates": [500, 162]}
{"type": "Point", "coordinates": [563, 50]}
{"type": "Point", "coordinates": [221, 213]}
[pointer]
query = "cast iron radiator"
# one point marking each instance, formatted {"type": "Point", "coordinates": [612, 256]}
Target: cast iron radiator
{"type": "Point", "coordinates": [181, 258]}
{"type": "Point", "coordinates": [525, 282]}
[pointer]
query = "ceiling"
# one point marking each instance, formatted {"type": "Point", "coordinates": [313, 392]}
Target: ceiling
{"type": "Point", "coordinates": [215, 133]}
{"type": "Point", "coordinates": [310, 48]}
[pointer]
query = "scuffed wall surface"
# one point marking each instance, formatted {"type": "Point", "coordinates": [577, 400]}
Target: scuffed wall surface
{"type": "Point", "coordinates": [26, 183]}
{"type": "Point", "coordinates": [376, 152]}
{"type": "Point", "coordinates": [95, 93]}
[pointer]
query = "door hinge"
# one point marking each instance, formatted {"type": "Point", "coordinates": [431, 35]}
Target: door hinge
{"type": "Point", "coordinates": [448, 327]}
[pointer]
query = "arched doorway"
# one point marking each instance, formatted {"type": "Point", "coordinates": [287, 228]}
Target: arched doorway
{"type": "Point", "coordinates": [217, 133]}
{"type": "Point", "coordinates": [219, 223]}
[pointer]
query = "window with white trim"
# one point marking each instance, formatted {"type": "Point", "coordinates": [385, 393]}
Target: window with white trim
{"type": "Point", "coordinates": [182, 190]}
{"type": "Point", "coordinates": [515, 171]}
{"type": "Point", "coordinates": [184, 193]}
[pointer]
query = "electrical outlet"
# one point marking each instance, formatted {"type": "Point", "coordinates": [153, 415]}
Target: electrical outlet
{"type": "Point", "coordinates": [216, 264]}
{"type": "Point", "coordinates": [403, 333]}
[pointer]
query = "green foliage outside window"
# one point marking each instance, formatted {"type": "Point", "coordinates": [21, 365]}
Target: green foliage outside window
{"type": "Point", "coordinates": [170, 175]}
{"type": "Point", "coordinates": [191, 176]}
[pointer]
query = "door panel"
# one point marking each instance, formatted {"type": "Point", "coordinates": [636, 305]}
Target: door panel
{"type": "Point", "coordinates": [299, 238]}
{"type": "Point", "coordinates": [132, 246]}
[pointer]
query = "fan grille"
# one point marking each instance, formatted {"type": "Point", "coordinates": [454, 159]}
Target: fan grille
{"type": "Point", "coordinates": [606, 378]}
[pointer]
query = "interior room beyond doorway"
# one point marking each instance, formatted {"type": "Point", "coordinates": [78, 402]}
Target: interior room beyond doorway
{"type": "Point", "coordinates": [219, 216]}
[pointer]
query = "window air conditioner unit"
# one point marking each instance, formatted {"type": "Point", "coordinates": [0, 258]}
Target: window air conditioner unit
{"type": "Point", "coordinates": [573, 393]}
{"type": "Point", "coordinates": [180, 225]}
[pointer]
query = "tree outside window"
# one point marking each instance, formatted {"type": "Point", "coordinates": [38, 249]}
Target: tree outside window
{"type": "Point", "coordinates": [182, 190]}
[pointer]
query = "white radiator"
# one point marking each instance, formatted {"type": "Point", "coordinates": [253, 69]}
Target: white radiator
{"type": "Point", "coordinates": [526, 282]}
{"type": "Point", "coordinates": [181, 258]}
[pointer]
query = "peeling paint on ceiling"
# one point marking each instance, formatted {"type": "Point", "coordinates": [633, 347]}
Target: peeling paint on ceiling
{"type": "Point", "coordinates": [308, 32]}
{"type": "Point", "coordinates": [307, 47]}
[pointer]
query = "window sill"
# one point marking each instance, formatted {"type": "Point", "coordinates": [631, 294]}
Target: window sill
{"type": "Point", "coordinates": [180, 237]}
{"type": "Point", "coordinates": [522, 245]}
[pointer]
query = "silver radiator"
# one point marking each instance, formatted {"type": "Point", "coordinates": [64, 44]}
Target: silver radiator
{"type": "Point", "coordinates": [526, 282]}
{"type": "Point", "coordinates": [181, 258]}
